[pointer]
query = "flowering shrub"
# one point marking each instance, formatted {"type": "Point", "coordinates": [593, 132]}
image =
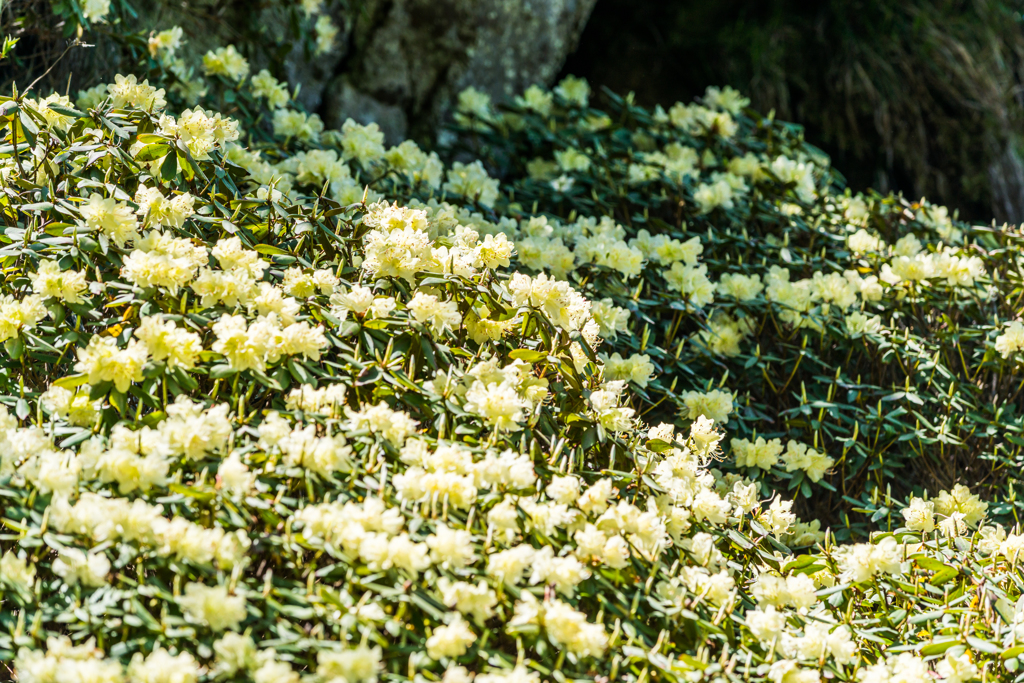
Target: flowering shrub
{"type": "Point", "coordinates": [282, 403]}
{"type": "Point", "coordinates": [853, 342]}
{"type": "Point", "coordinates": [274, 437]}
{"type": "Point", "coordinates": [273, 33]}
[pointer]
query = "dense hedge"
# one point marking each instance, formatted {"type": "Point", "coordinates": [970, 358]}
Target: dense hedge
{"type": "Point", "coordinates": [282, 403]}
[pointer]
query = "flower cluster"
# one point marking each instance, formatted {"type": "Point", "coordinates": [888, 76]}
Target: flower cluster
{"type": "Point", "coordinates": [719, 240]}
{"type": "Point", "coordinates": [325, 410]}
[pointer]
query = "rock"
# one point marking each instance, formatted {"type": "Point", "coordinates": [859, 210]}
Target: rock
{"type": "Point", "coordinates": [313, 72]}
{"type": "Point", "coordinates": [346, 101]}
{"type": "Point", "coordinates": [412, 57]}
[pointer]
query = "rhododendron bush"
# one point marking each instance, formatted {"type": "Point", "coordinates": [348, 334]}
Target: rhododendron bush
{"type": "Point", "coordinates": [287, 404]}
{"type": "Point", "coordinates": [854, 343]}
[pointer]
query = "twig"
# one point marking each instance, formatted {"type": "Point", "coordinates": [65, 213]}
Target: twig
{"type": "Point", "coordinates": [77, 43]}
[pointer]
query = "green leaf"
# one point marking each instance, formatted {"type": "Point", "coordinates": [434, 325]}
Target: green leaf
{"type": "Point", "coordinates": [67, 111]}
{"type": "Point", "coordinates": [929, 563]}
{"type": "Point", "coordinates": [1013, 652]}
{"type": "Point", "coordinates": [116, 129]}
{"type": "Point", "coordinates": [15, 347]}
{"type": "Point", "coordinates": [943, 576]}
{"type": "Point", "coordinates": [75, 439]}
{"type": "Point", "coordinates": [348, 328]}
{"type": "Point", "coordinates": [191, 492]}
{"type": "Point", "coordinates": [38, 207]}
{"type": "Point", "coordinates": [71, 381]}
{"type": "Point", "coordinates": [222, 371]}
{"type": "Point", "coordinates": [270, 249]}
{"type": "Point", "coordinates": [119, 401]}
{"type": "Point", "coordinates": [927, 616]}
{"type": "Point", "coordinates": [169, 168]}
{"type": "Point", "coordinates": [939, 646]}
{"type": "Point", "coordinates": [528, 355]}
{"type": "Point", "coordinates": [983, 645]}
{"type": "Point", "coordinates": [658, 445]}
{"type": "Point", "coordinates": [800, 563]}
{"type": "Point", "coordinates": [153, 152]}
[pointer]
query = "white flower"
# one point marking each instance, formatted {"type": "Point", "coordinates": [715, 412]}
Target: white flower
{"type": "Point", "coordinates": [165, 341]}
{"type": "Point", "coordinates": [472, 182]}
{"type": "Point", "coordinates": [863, 241]}
{"type": "Point", "coordinates": [861, 561]}
{"type": "Point", "coordinates": [393, 425]}
{"type": "Point", "coordinates": [536, 99]}
{"type": "Point", "coordinates": [226, 61]}
{"type": "Point", "coordinates": [759, 453]}
{"type": "Point", "coordinates": [49, 281]}
{"type": "Point", "coordinates": [201, 132]}
{"type": "Point", "coordinates": [725, 98]}
{"type": "Point", "coordinates": [858, 324]}
{"type": "Point", "coordinates": [564, 573]}
{"type": "Point", "coordinates": [426, 308]}
{"type": "Point", "coordinates": [213, 606]}
{"type": "Point", "coordinates": [574, 90]}
{"type": "Point", "coordinates": [235, 652]}
{"type": "Point", "coordinates": [766, 625]}
{"type": "Point", "coordinates": [363, 143]}
{"type": "Point", "coordinates": [498, 404]}
{"type": "Point", "coordinates": [569, 628]}
{"type": "Point", "coordinates": [234, 475]}
{"type": "Point", "coordinates": [96, 10]}
{"type": "Point", "coordinates": [563, 489]}
{"type": "Point", "coordinates": [17, 571]}
{"type": "Point", "coordinates": [957, 669]}
{"type": "Point", "coordinates": [919, 515]}
{"type": "Point", "coordinates": [610, 318]}
{"type": "Point", "coordinates": [103, 361]}
{"type": "Point", "coordinates": [960, 499]}
{"type": "Point", "coordinates": [77, 566]}
{"type": "Point", "coordinates": [289, 123]}
{"type": "Point", "coordinates": [519, 674]}
{"type": "Point", "coordinates": [162, 667]}
{"type": "Point", "coordinates": [715, 405]}
{"type": "Point", "coordinates": [778, 517]}
{"type": "Point", "coordinates": [356, 665]}
{"type": "Point", "coordinates": [160, 211]}
{"type": "Point", "coordinates": [266, 86]}
{"type": "Point", "coordinates": [326, 33]}
{"type": "Point", "coordinates": [740, 287]}
{"type": "Point", "coordinates": [509, 565]}
{"type": "Point", "coordinates": [800, 456]}
{"type": "Point", "coordinates": [457, 674]}
{"type": "Point", "coordinates": [477, 601]}
{"type": "Point", "coordinates": [167, 41]}
{"type": "Point", "coordinates": [1011, 341]}
{"type": "Point", "coordinates": [787, 671]}
{"type": "Point", "coordinates": [451, 547]}
{"type": "Point", "coordinates": [73, 406]}
{"type": "Point", "coordinates": [473, 102]}
{"type": "Point", "coordinates": [452, 640]}
{"type": "Point", "coordinates": [637, 368]}
{"type": "Point", "coordinates": [114, 219]}
{"type": "Point", "coordinates": [595, 498]}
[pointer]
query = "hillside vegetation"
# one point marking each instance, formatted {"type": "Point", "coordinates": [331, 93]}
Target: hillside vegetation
{"type": "Point", "coordinates": [591, 393]}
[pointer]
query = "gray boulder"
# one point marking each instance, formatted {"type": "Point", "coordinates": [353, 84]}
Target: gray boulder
{"type": "Point", "coordinates": [407, 60]}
